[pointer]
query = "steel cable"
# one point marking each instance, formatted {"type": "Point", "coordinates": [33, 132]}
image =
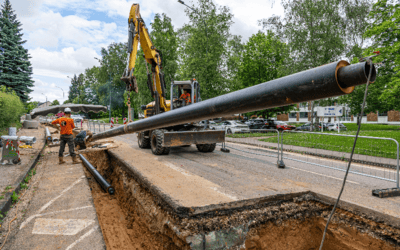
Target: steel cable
{"type": "Point", "coordinates": [351, 155]}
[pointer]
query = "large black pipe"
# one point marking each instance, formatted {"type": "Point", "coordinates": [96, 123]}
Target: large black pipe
{"type": "Point", "coordinates": [313, 84]}
{"type": "Point", "coordinates": [99, 178]}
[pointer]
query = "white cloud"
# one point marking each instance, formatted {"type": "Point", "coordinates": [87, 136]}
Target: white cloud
{"type": "Point", "coordinates": [39, 83]}
{"type": "Point", "coordinates": [64, 62]}
{"type": "Point", "coordinates": [52, 30]}
{"type": "Point", "coordinates": [65, 44]}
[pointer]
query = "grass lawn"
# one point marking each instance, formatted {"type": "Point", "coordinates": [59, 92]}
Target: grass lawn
{"type": "Point", "coordinates": [380, 148]}
{"type": "Point", "coordinates": [4, 131]}
{"type": "Point", "coordinates": [245, 135]}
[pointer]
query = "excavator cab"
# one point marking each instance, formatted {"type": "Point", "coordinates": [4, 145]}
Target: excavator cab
{"type": "Point", "coordinates": [177, 89]}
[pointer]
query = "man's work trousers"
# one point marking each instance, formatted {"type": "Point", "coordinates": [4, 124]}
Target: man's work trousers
{"type": "Point", "coordinates": [67, 139]}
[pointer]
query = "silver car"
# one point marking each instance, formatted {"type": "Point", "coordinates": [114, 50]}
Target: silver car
{"type": "Point", "coordinates": [334, 127]}
{"type": "Point", "coordinates": [232, 127]}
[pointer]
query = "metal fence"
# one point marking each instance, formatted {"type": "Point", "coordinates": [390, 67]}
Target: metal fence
{"type": "Point", "coordinates": [239, 140]}
{"type": "Point", "coordinates": [96, 125]}
{"type": "Point", "coordinates": [374, 157]}
{"type": "Point", "coordinates": [369, 153]}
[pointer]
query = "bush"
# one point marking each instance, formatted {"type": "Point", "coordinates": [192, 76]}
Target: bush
{"type": "Point", "coordinates": [11, 107]}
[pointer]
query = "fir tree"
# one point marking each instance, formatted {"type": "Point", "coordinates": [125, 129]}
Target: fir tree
{"type": "Point", "coordinates": [15, 67]}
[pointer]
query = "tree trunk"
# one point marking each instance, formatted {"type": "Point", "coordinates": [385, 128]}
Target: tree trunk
{"type": "Point", "coordinates": [312, 116]}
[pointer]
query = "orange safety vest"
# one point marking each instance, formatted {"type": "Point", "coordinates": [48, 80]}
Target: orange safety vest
{"type": "Point", "coordinates": [186, 97]}
{"type": "Point", "coordinates": [66, 125]}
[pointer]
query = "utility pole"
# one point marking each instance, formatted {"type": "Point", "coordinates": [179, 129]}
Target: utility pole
{"type": "Point", "coordinates": [109, 116]}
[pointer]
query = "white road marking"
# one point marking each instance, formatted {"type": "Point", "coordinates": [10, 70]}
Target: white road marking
{"type": "Point", "coordinates": [57, 212]}
{"type": "Point", "coordinates": [81, 238]}
{"type": "Point", "coordinates": [227, 195]}
{"type": "Point", "coordinates": [341, 179]}
{"type": "Point", "coordinates": [60, 226]}
{"type": "Point", "coordinates": [182, 171]}
{"type": "Point", "coordinates": [63, 192]}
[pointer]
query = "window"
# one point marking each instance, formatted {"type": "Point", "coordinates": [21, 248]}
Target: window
{"type": "Point", "coordinates": [292, 115]}
{"type": "Point", "coordinates": [303, 114]}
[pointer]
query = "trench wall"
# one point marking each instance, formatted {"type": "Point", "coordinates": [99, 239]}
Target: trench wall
{"type": "Point", "coordinates": [245, 224]}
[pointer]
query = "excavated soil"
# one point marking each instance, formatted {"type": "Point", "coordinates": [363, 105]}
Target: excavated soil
{"type": "Point", "coordinates": [134, 218]}
{"type": "Point", "coordinates": [307, 234]}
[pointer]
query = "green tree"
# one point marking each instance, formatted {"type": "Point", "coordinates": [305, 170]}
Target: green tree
{"type": "Point", "coordinates": [356, 22]}
{"type": "Point", "coordinates": [76, 88]}
{"type": "Point", "coordinates": [204, 43]}
{"type": "Point", "coordinates": [385, 33]}
{"type": "Point", "coordinates": [143, 97]}
{"type": "Point", "coordinates": [11, 107]}
{"type": "Point", "coordinates": [55, 102]}
{"type": "Point", "coordinates": [314, 31]}
{"type": "Point", "coordinates": [113, 64]}
{"type": "Point", "coordinates": [262, 57]}
{"type": "Point", "coordinates": [15, 67]}
{"type": "Point", "coordinates": [31, 105]}
{"type": "Point", "coordinates": [90, 86]}
{"type": "Point", "coordinates": [234, 51]}
{"type": "Point", "coordinates": [165, 40]}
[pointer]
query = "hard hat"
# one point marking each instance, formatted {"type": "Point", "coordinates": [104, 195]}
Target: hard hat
{"type": "Point", "coordinates": [67, 110]}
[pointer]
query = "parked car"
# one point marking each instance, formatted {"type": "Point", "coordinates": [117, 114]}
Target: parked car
{"type": "Point", "coordinates": [211, 124]}
{"type": "Point", "coordinates": [326, 125]}
{"type": "Point", "coordinates": [232, 127]}
{"type": "Point", "coordinates": [304, 127]}
{"type": "Point", "coordinates": [269, 124]}
{"type": "Point", "coordinates": [77, 118]}
{"type": "Point", "coordinates": [284, 126]}
{"type": "Point", "coordinates": [335, 127]}
{"type": "Point", "coordinates": [256, 124]}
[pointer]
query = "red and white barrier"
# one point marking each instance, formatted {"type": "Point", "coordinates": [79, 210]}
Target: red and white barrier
{"type": "Point", "coordinates": [125, 120]}
{"type": "Point", "coordinates": [117, 120]}
{"type": "Point", "coordinates": [112, 122]}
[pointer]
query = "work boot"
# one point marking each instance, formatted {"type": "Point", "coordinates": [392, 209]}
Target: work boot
{"type": "Point", "coordinates": [75, 160]}
{"type": "Point", "coordinates": [61, 160]}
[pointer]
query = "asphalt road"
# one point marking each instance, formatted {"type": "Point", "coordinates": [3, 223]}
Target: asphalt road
{"type": "Point", "coordinates": [253, 174]}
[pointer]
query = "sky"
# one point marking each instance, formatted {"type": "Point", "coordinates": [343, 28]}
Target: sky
{"type": "Point", "coordinates": [65, 36]}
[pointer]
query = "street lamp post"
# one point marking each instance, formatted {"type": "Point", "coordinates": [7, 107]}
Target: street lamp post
{"type": "Point", "coordinates": [61, 90]}
{"type": "Point", "coordinates": [46, 99]}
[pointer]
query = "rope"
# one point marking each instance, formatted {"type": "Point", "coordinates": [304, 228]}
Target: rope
{"type": "Point", "coordinates": [351, 157]}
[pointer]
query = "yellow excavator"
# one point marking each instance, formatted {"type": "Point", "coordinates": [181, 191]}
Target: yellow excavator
{"type": "Point", "coordinates": [161, 140]}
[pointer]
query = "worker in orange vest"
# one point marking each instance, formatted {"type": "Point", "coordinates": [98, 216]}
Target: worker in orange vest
{"type": "Point", "coordinates": [185, 96]}
{"type": "Point", "coordinates": [66, 124]}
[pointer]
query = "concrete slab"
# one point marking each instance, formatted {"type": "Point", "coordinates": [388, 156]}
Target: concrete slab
{"type": "Point", "coordinates": [238, 177]}
{"type": "Point", "coordinates": [61, 212]}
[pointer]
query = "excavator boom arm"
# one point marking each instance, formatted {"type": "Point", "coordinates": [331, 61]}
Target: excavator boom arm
{"type": "Point", "coordinates": [138, 33]}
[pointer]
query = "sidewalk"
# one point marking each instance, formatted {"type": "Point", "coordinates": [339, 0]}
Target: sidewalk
{"type": "Point", "coordinates": [370, 160]}
{"type": "Point", "coordinates": [12, 175]}
{"type": "Point", "coordinates": [56, 211]}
